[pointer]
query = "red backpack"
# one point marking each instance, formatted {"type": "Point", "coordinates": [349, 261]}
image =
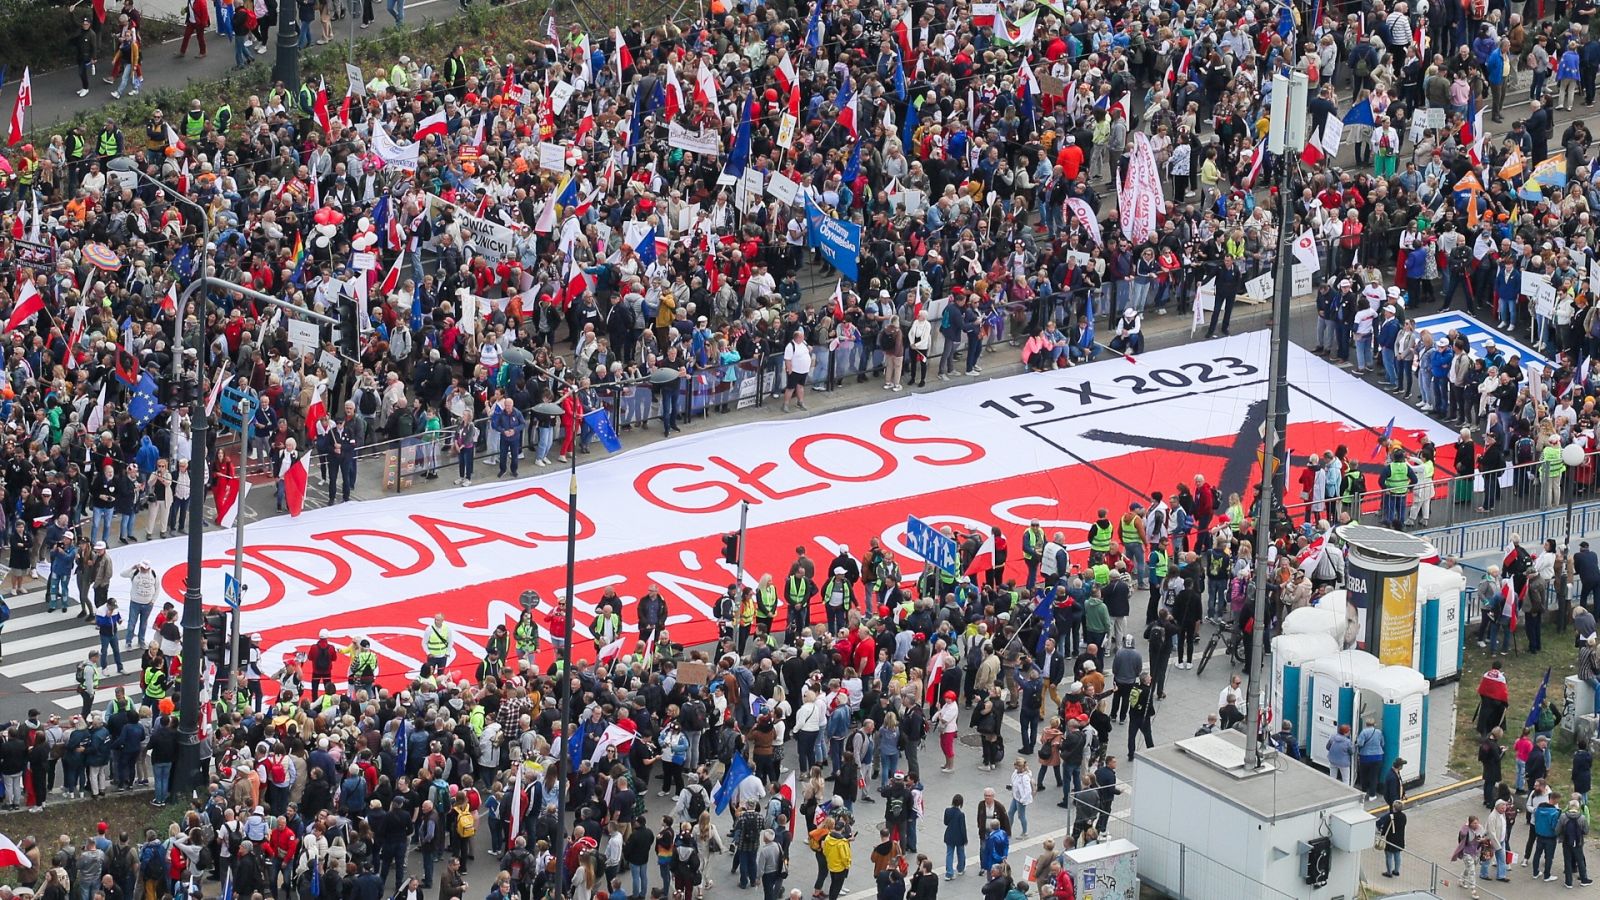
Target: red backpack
{"type": "Point", "coordinates": [275, 771]}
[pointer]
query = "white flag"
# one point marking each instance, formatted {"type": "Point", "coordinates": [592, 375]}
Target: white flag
{"type": "Point", "coordinates": [1305, 249]}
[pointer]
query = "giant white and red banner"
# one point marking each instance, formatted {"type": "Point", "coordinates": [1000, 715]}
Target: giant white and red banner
{"type": "Point", "coordinates": [1048, 446]}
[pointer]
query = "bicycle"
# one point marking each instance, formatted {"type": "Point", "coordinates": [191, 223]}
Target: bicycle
{"type": "Point", "coordinates": [1235, 646]}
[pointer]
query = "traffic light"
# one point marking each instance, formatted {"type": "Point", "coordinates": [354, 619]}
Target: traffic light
{"type": "Point", "coordinates": [349, 308]}
{"type": "Point", "coordinates": [730, 549]}
{"type": "Point", "coordinates": [1319, 858]}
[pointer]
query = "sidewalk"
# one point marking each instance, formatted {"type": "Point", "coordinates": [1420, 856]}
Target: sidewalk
{"type": "Point", "coordinates": [55, 94]}
{"type": "Point", "coordinates": [1431, 830]}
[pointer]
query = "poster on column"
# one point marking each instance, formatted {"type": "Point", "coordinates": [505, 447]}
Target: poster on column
{"type": "Point", "coordinates": [998, 453]}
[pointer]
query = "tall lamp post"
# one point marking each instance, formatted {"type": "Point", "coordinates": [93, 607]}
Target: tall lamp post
{"type": "Point", "coordinates": [658, 377]}
{"type": "Point", "coordinates": [1572, 456]}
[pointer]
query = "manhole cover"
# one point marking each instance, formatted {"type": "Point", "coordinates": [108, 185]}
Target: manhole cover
{"type": "Point", "coordinates": [971, 740]}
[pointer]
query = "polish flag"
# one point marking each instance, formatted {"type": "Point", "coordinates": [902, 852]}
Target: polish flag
{"type": "Point", "coordinates": [18, 110]}
{"type": "Point", "coordinates": [434, 124]}
{"type": "Point", "coordinates": [790, 789]}
{"type": "Point", "coordinates": [935, 674]}
{"type": "Point", "coordinates": [586, 124]}
{"type": "Point", "coordinates": [295, 473]}
{"type": "Point", "coordinates": [75, 335]}
{"type": "Point", "coordinates": [674, 90]}
{"type": "Point", "coordinates": [230, 494]}
{"type": "Point", "coordinates": [316, 411]}
{"type": "Point", "coordinates": [794, 102]}
{"type": "Point", "coordinates": [28, 305]}
{"type": "Point", "coordinates": [169, 301]}
{"type": "Point", "coordinates": [902, 31]}
{"type": "Point", "coordinates": [12, 855]}
{"type": "Point", "coordinates": [218, 382]}
{"type": "Point", "coordinates": [836, 302]}
{"type": "Point", "coordinates": [577, 284]}
{"type": "Point", "coordinates": [1312, 154]}
{"type": "Point", "coordinates": [391, 281]}
{"type": "Point", "coordinates": [983, 560]}
{"type": "Point", "coordinates": [847, 117]}
{"type": "Point", "coordinates": [1256, 157]}
{"type": "Point", "coordinates": [320, 107]}
{"type": "Point", "coordinates": [344, 109]}
{"type": "Point", "coordinates": [97, 416]}
{"type": "Point", "coordinates": [624, 55]}
{"type": "Point", "coordinates": [788, 78]}
{"type": "Point", "coordinates": [705, 86]}
{"type": "Point", "coordinates": [480, 137]}
{"type": "Point", "coordinates": [609, 653]}
{"type": "Point", "coordinates": [173, 141]}
{"type": "Point", "coordinates": [183, 177]}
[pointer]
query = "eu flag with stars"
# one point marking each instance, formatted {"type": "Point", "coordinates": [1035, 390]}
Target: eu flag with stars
{"type": "Point", "coordinates": [143, 406]}
{"type": "Point", "coordinates": [599, 421]}
{"type": "Point", "coordinates": [738, 771]}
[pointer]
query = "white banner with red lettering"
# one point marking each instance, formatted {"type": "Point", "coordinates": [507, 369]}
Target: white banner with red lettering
{"type": "Point", "coordinates": [1139, 198]}
{"type": "Point", "coordinates": [1050, 446]}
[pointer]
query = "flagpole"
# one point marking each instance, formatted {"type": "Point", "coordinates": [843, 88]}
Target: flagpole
{"type": "Point", "coordinates": [246, 420]}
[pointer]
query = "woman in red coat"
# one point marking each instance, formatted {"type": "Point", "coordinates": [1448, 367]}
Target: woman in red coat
{"type": "Point", "coordinates": [196, 19]}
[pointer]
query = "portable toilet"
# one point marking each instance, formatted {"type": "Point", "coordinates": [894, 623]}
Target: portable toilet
{"type": "Point", "coordinates": [1442, 612]}
{"type": "Point", "coordinates": [1396, 697]}
{"type": "Point", "coordinates": [1331, 700]}
{"type": "Point", "coordinates": [1290, 680]}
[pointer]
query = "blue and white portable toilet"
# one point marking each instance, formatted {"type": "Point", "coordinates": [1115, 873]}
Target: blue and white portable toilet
{"type": "Point", "coordinates": [1442, 598]}
{"type": "Point", "coordinates": [1290, 680]}
{"type": "Point", "coordinates": [1396, 697]}
{"type": "Point", "coordinates": [1332, 697]}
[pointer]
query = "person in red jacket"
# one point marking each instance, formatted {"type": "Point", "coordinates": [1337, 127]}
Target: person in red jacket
{"type": "Point", "coordinates": [282, 845]}
{"type": "Point", "coordinates": [196, 19]}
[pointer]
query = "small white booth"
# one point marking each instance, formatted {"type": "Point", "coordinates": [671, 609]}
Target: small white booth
{"type": "Point", "coordinates": [1290, 679]}
{"type": "Point", "coordinates": [1396, 697]}
{"type": "Point", "coordinates": [1442, 610]}
{"type": "Point", "coordinates": [1332, 697]}
{"type": "Point", "coordinates": [1330, 614]}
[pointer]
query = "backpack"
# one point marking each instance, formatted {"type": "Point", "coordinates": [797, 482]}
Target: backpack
{"type": "Point", "coordinates": [275, 772]}
{"type": "Point", "coordinates": [466, 824]}
{"type": "Point", "coordinates": [151, 866]}
{"type": "Point", "coordinates": [697, 804]}
{"type": "Point", "coordinates": [5, 612]}
{"type": "Point", "coordinates": [692, 716]}
{"type": "Point", "coordinates": [1524, 450]}
{"type": "Point", "coordinates": [367, 403]}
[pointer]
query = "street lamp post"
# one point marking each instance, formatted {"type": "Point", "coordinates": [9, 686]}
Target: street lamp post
{"type": "Point", "coordinates": [657, 377]}
{"type": "Point", "coordinates": [1572, 456]}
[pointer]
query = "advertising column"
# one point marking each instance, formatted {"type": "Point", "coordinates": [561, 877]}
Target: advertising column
{"type": "Point", "coordinates": [1381, 581]}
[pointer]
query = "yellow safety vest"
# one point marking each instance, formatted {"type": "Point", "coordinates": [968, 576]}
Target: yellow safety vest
{"type": "Point", "coordinates": [364, 665]}
{"type": "Point", "coordinates": [1100, 538]}
{"type": "Point", "coordinates": [437, 641]}
{"type": "Point", "coordinates": [1398, 481]}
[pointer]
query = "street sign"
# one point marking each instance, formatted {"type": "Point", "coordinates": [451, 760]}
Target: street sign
{"type": "Point", "coordinates": [230, 591]}
{"type": "Point", "coordinates": [925, 541]}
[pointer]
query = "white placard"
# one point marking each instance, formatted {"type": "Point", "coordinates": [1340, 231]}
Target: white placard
{"type": "Point", "coordinates": [705, 141]}
{"type": "Point", "coordinates": [552, 156]}
{"type": "Point", "coordinates": [1259, 287]}
{"type": "Point", "coordinates": [688, 216]}
{"type": "Point", "coordinates": [916, 201]}
{"type": "Point", "coordinates": [330, 363]}
{"type": "Point", "coordinates": [364, 262]}
{"type": "Point", "coordinates": [401, 156]}
{"type": "Point", "coordinates": [1301, 283]}
{"type": "Point", "coordinates": [1435, 117]}
{"type": "Point", "coordinates": [470, 306]}
{"type": "Point", "coordinates": [784, 188]}
{"type": "Point", "coordinates": [1536, 286]}
{"type": "Point", "coordinates": [786, 128]}
{"type": "Point", "coordinates": [302, 335]}
{"type": "Point", "coordinates": [358, 82]}
{"type": "Point", "coordinates": [559, 95]}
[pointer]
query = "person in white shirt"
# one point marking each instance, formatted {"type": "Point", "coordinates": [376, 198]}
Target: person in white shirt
{"type": "Point", "coordinates": [796, 366]}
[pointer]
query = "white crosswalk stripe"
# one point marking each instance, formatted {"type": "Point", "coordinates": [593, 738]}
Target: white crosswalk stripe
{"type": "Point", "coordinates": [42, 651]}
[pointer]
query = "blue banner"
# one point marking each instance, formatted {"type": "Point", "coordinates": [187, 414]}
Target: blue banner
{"type": "Point", "coordinates": [925, 541]}
{"type": "Point", "coordinates": [599, 421]}
{"type": "Point", "coordinates": [838, 240]}
{"type": "Point", "coordinates": [738, 770]}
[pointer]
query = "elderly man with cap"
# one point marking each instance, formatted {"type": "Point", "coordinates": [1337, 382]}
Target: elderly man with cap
{"type": "Point", "coordinates": [141, 599]}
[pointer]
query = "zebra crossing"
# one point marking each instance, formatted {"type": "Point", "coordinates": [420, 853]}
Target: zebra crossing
{"type": "Point", "coordinates": [40, 651]}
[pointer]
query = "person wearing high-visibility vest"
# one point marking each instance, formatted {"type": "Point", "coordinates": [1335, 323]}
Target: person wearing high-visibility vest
{"type": "Point", "coordinates": [797, 593]}
{"type": "Point", "coordinates": [153, 683]}
{"type": "Point", "coordinates": [526, 634]}
{"type": "Point", "coordinates": [766, 604]}
{"type": "Point", "coordinates": [1158, 563]}
{"type": "Point", "coordinates": [1397, 480]}
{"type": "Point", "coordinates": [1033, 541]}
{"type": "Point", "coordinates": [435, 646]}
{"type": "Point", "coordinates": [746, 611]}
{"type": "Point", "coordinates": [606, 627]}
{"type": "Point", "coordinates": [1099, 537]}
{"type": "Point", "coordinates": [363, 665]}
{"type": "Point", "coordinates": [1553, 470]}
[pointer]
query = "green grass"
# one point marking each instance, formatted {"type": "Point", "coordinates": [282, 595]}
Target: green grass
{"type": "Point", "coordinates": [1523, 672]}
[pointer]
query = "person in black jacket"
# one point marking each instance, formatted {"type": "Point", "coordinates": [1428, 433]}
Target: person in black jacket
{"type": "Point", "coordinates": [1392, 830]}
{"type": "Point", "coordinates": [163, 753]}
{"type": "Point", "coordinates": [1490, 754]}
{"type": "Point", "coordinates": [955, 839]}
{"type": "Point", "coordinates": [1394, 788]}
